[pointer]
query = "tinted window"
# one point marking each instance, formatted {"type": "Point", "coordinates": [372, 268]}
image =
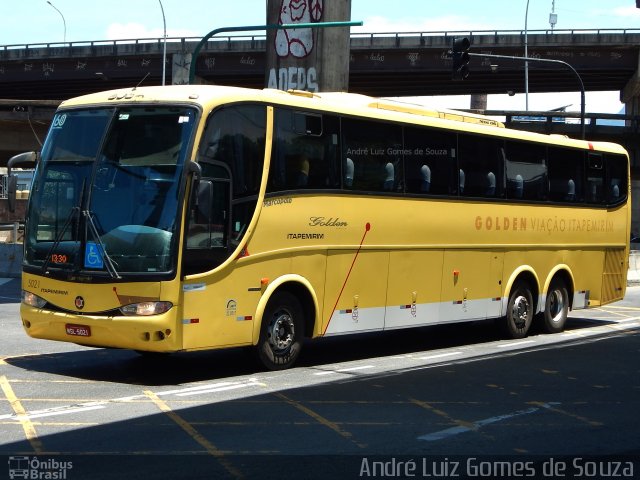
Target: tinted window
{"type": "Point", "coordinates": [235, 136]}
{"type": "Point", "coordinates": [595, 178]}
{"type": "Point", "coordinates": [566, 174]}
{"type": "Point", "coordinates": [304, 152]}
{"type": "Point", "coordinates": [617, 177]}
{"type": "Point", "coordinates": [430, 161]}
{"type": "Point", "coordinates": [480, 166]}
{"type": "Point", "coordinates": [526, 170]}
{"type": "Point", "coordinates": [372, 156]}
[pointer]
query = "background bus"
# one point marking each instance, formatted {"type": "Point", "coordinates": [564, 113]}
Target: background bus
{"type": "Point", "coordinates": [198, 217]}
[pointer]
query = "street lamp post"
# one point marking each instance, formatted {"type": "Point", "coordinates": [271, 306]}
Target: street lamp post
{"type": "Point", "coordinates": [64, 23]}
{"type": "Point", "coordinates": [526, 63]}
{"type": "Point", "coordinates": [164, 44]}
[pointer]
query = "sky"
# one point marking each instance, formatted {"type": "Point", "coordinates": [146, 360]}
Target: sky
{"type": "Point", "coordinates": [39, 21]}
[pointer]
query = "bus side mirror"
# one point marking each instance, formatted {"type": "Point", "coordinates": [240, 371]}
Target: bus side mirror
{"type": "Point", "coordinates": [12, 185]}
{"type": "Point", "coordinates": [12, 180]}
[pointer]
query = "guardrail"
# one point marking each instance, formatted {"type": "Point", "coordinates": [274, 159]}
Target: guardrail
{"type": "Point", "coordinates": [14, 228]}
{"type": "Point", "coordinates": [262, 36]}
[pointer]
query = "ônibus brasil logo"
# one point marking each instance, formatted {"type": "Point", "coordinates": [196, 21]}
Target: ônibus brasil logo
{"type": "Point", "coordinates": [36, 468]}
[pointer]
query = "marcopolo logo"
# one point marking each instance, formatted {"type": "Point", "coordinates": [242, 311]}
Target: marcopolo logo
{"type": "Point", "coordinates": [38, 469]}
{"type": "Point", "coordinates": [58, 120]}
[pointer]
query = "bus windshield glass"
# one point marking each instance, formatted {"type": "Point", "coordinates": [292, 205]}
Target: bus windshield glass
{"type": "Point", "coordinates": [106, 194]}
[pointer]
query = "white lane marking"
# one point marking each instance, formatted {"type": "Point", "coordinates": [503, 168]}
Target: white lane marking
{"type": "Point", "coordinates": [440, 355]}
{"type": "Point", "coordinates": [51, 412]}
{"type": "Point", "coordinates": [344, 370]}
{"type": "Point", "coordinates": [516, 344]}
{"type": "Point", "coordinates": [449, 432]}
{"type": "Point", "coordinates": [353, 369]}
{"type": "Point", "coordinates": [217, 389]}
{"type": "Point", "coordinates": [195, 389]}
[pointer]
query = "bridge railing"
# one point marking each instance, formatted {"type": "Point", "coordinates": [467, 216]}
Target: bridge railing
{"type": "Point", "coordinates": [258, 37]}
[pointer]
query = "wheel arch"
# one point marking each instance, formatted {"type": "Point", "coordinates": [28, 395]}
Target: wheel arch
{"type": "Point", "coordinates": [564, 273]}
{"type": "Point", "coordinates": [524, 273]}
{"type": "Point", "coordinates": [298, 286]}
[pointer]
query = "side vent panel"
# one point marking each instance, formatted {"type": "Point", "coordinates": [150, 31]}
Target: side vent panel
{"type": "Point", "coordinates": [614, 277]}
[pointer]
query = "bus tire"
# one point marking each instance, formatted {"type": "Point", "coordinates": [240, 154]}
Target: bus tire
{"type": "Point", "coordinates": [556, 307]}
{"type": "Point", "coordinates": [282, 332]}
{"type": "Point", "coordinates": [520, 308]}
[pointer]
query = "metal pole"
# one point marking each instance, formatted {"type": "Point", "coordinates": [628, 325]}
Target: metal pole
{"type": "Point", "coordinates": [284, 26]}
{"type": "Point", "coordinates": [526, 64]}
{"type": "Point", "coordinates": [164, 44]}
{"type": "Point", "coordinates": [547, 60]}
{"type": "Point", "coordinates": [64, 23]}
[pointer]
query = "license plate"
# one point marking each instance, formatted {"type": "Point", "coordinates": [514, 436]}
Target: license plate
{"type": "Point", "coordinates": [78, 330]}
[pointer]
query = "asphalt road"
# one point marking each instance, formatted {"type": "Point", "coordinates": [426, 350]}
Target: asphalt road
{"type": "Point", "coordinates": [439, 402]}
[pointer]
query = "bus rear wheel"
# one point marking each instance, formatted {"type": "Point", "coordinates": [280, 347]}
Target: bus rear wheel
{"type": "Point", "coordinates": [519, 315]}
{"type": "Point", "coordinates": [556, 307]}
{"type": "Point", "coordinates": [282, 332]}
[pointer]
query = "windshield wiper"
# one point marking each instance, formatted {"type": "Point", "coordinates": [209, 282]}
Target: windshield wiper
{"type": "Point", "coordinates": [102, 250]}
{"type": "Point", "coordinates": [72, 214]}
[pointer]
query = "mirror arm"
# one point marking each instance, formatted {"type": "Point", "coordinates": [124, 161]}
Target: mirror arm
{"type": "Point", "coordinates": [195, 170]}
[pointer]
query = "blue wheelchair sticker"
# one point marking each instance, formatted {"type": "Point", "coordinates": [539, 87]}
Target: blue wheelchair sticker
{"type": "Point", "coordinates": [93, 256]}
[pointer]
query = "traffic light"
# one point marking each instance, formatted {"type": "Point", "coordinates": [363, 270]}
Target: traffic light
{"type": "Point", "coordinates": [460, 55]}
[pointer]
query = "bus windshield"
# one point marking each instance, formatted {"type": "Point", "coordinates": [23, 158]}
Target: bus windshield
{"type": "Point", "coordinates": [105, 198]}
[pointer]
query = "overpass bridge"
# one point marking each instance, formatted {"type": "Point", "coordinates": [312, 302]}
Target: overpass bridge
{"type": "Point", "coordinates": [381, 64]}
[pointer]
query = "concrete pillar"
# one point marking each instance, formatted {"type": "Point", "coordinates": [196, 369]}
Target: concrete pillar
{"type": "Point", "coordinates": [312, 59]}
{"type": "Point", "coordinates": [630, 94]}
{"type": "Point", "coordinates": [478, 101]}
{"type": "Point", "coordinates": [180, 64]}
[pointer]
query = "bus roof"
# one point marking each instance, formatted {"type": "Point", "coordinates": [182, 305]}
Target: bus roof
{"type": "Point", "coordinates": [210, 96]}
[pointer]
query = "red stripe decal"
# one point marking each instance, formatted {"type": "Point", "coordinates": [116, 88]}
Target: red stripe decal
{"type": "Point", "coordinates": [367, 227]}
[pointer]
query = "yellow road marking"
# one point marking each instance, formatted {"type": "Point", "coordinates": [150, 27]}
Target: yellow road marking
{"type": "Point", "coordinates": [319, 418]}
{"type": "Point", "coordinates": [193, 433]}
{"type": "Point", "coordinates": [27, 425]}
{"type": "Point", "coordinates": [568, 414]}
{"type": "Point", "coordinates": [443, 414]}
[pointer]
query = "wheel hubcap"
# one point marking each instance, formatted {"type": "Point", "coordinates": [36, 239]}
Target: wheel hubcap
{"type": "Point", "coordinates": [281, 332]}
{"type": "Point", "coordinates": [520, 311]}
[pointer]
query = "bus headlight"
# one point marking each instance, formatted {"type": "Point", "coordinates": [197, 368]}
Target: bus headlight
{"type": "Point", "coordinates": [146, 308]}
{"type": "Point", "coordinates": [32, 299]}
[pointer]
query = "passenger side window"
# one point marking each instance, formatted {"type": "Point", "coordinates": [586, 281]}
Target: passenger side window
{"type": "Point", "coordinates": [372, 156]}
{"type": "Point", "coordinates": [480, 166]}
{"type": "Point", "coordinates": [305, 151]}
{"type": "Point", "coordinates": [595, 178]}
{"type": "Point", "coordinates": [566, 175]}
{"type": "Point", "coordinates": [526, 169]}
{"type": "Point", "coordinates": [430, 161]}
{"type": "Point", "coordinates": [616, 178]}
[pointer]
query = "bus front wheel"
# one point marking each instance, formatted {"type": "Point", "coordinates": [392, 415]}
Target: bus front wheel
{"type": "Point", "coordinates": [282, 332]}
{"type": "Point", "coordinates": [519, 315]}
{"type": "Point", "coordinates": [556, 307]}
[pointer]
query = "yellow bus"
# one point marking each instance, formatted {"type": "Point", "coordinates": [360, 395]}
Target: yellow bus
{"type": "Point", "coordinates": [167, 219]}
